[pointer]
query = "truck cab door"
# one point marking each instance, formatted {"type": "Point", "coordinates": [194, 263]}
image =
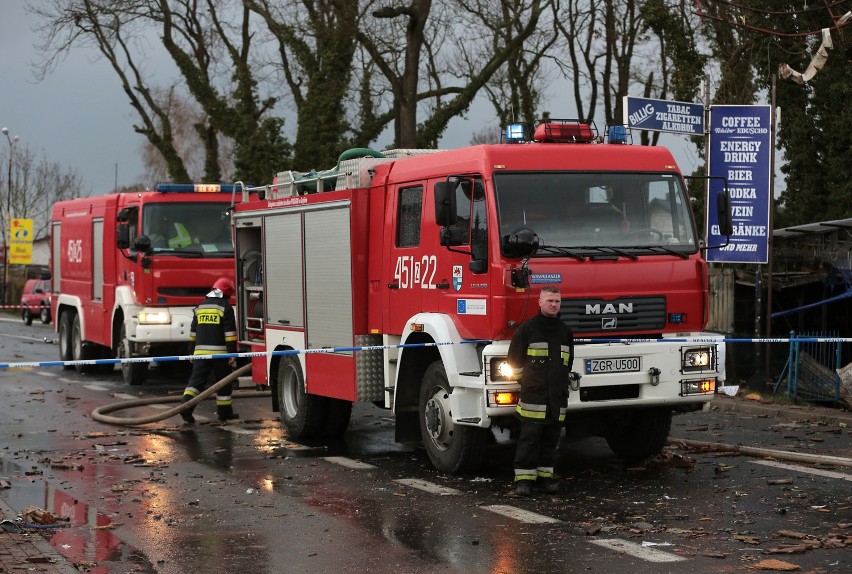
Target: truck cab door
{"type": "Point", "coordinates": [462, 256]}
{"type": "Point", "coordinates": [407, 270]}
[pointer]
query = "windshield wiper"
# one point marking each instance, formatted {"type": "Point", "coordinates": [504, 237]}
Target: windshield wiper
{"type": "Point", "coordinates": [179, 252]}
{"type": "Point", "coordinates": [561, 251]}
{"type": "Point", "coordinates": [661, 249]}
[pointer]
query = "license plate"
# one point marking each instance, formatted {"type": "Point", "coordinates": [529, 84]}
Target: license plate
{"type": "Point", "coordinates": [613, 365]}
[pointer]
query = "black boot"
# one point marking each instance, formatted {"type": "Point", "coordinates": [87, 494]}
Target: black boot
{"type": "Point", "coordinates": [187, 414]}
{"type": "Point", "coordinates": [226, 413]}
{"type": "Point", "coordinates": [548, 485]}
{"type": "Point", "coordinates": [523, 488]}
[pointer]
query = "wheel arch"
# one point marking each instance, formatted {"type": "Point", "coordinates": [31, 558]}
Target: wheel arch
{"type": "Point", "coordinates": [437, 332]}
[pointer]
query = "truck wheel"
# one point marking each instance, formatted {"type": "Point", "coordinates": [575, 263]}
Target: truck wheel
{"type": "Point", "coordinates": [65, 353]}
{"type": "Point", "coordinates": [643, 434]}
{"type": "Point", "coordinates": [451, 448]}
{"type": "Point", "coordinates": [44, 314]}
{"type": "Point", "coordinates": [27, 317]}
{"type": "Point", "coordinates": [80, 350]}
{"type": "Point", "coordinates": [339, 413]}
{"type": "Point", "coordinates": [304, 415]}
{"type": "Point", "coordinates": [132, 373]}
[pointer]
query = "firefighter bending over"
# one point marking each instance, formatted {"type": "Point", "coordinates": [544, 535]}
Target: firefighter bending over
{"type": "Point", "coordinates": [541, 355]}
{"type": "Point", "coordinates": [213, 332]}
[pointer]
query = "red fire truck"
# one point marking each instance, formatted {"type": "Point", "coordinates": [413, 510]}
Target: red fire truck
{"type": "Point", "coordinates": [400, 277]}
{"type": "Point", "coordinates": [128, 268]}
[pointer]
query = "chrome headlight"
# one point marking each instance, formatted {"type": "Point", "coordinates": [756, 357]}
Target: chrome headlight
{"type": "Point", "coordinates": [155, 317]}
{"type": "Point", "coordinates": [698, 359]}
{"type": "Point", "coordinates": [500, 370]}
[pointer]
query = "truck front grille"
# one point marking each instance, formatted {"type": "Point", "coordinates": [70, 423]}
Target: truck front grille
{"type": "Point", "coordinates": [594, 315]}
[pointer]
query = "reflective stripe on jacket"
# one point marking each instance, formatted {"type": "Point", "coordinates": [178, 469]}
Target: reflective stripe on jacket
{"type": "Point", "coordinates": [214, 327]}
{"type": "Point", "coordinates": [541, 355]}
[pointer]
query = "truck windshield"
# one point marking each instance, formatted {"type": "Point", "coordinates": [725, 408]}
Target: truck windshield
{"type": "Point", "coordinates": [637, 213]}
{"type": "Point", "coordinates": [192, 229]}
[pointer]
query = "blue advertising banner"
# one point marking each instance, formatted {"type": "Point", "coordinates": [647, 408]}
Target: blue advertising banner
{"type": "Point", "coordinates": [664, 116]}
{"type": "Point", "coordinates": [741, 152]}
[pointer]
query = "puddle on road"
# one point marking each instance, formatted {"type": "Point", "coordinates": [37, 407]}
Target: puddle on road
{"type": "Point", "coordinates": [84, 539]}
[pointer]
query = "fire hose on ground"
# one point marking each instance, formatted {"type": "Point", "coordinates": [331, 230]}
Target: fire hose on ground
{"type": "Point", "coordinates": [100, 413]}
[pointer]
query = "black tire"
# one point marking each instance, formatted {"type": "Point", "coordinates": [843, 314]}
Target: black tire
{"type": "Point", "coordinates": [134, 374]}
{"type": "Point", "coordinates": [339, 413]}
{"type": "Point", "coordinates": [80, 350]}
{"type": "Point", "coordinates": [27, 317]}
{"type": "Point", "coordinates": [44, 314]}
{"type": "Point", "coordinates": [454, 449]}
{"type": "Point", "coordinates": [643, 433]}
{"type": "Point", "coordinates": [304, 415]}
{"type": "Point", "coordinates": [65, 323]}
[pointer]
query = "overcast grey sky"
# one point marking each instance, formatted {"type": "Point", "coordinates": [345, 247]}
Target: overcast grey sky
{"type": "Point", "coordinates": [80, 118]}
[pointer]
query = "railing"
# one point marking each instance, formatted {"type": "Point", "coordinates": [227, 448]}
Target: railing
{"type": "Point", "coordinates": [811, 369]}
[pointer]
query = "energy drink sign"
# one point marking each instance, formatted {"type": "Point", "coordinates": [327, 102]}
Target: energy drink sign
{"type": "Point", "coordinates": [740, 152]}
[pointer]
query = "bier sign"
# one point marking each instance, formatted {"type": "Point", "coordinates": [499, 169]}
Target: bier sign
{"type": "Point", "coordinates": [741, 152]}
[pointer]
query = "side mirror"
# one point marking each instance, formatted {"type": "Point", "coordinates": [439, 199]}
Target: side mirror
{"type": "Point", "coordinates": [142, 244]}
{"type": "Point", "coordinates": [122, 236]}
{"type": "Point", "coordinates": [723, 214]}
{"type": "Point", "coordinates": [522, 243]}
{"type": "Point", "coordinates": [445, 203]}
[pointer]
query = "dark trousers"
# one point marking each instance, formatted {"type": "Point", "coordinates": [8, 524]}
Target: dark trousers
{"type": "Point", "coordinates": [200, 379]}
{"type": "Point", "coordinates": [535, 452]}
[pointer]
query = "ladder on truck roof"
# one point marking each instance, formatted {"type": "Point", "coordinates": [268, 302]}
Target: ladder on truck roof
{"type": "Point", "coordinates": [350, 173]}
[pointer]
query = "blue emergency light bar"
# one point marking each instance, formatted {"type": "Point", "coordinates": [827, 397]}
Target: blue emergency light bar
{"type": "Point", "coordinates": [197, 187]}
{"type": "Point", "coordinates": [618, 134]}
{"type": "Point", "coordinates": [514, 133]}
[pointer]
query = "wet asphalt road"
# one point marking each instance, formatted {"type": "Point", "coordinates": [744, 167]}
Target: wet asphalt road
{"type": "Point", "coordinates": [242, 497]}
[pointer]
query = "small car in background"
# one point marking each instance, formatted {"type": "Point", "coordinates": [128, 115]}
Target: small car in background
{"type": "Point", "coordinates": [35, 301]}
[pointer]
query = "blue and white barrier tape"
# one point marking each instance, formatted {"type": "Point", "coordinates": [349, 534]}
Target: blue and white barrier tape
{"type": "Point", "coordinates": [170, 358]}
{"type": "Point", "coordinates": [626, 341]}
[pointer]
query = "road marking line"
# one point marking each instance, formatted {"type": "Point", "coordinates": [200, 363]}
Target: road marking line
{"type": "Point", "coordinates": [125, 396]}
{"type": "Point", "coordinates": [349, 463]}
{"type": "Point", "coordinates": [429, 487]}
{"type": "Point", "coordinates": [637, 551]}
{"type": "Point", "coordinates": [161, 407]}
{"type": "Point", "coordinates": [47, 374]}
{"type": "Point", "coordinates": [522, 515]}
{"type": "Point", "coordinates": [96, 388]}
{"type": "Point", "coordinates": [797, 468]}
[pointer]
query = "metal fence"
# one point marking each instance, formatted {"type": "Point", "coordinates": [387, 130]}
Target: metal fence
{"type": "Point", "coordinates": [811, 369]}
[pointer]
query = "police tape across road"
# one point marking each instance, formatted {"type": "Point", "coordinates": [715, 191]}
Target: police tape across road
{"type": "Point", "coordinates": [326, 350]}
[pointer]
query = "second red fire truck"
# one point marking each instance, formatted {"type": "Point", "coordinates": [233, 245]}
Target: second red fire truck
{"type": "Point", "coordinates": [128, 269]}
{"type": "Point", "coordinates": [400, 277]}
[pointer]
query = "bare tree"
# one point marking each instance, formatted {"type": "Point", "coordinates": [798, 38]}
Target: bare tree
{"type": "Point", "coordinates": [615, 47]}
{"type": "Point", "coordinates": [516, 89]}
{"type": "Point", "coordinates": [36, 184]}
{"type": "Point", "coordinates": [316, 44]}
{"type": "Point", "coordinates": [211, 54]}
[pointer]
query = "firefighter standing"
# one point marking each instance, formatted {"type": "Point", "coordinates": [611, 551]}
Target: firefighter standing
{"type": "Point", "coordinates": [213, 332]}
{"type": "Point", "coordinates": [541, 355]}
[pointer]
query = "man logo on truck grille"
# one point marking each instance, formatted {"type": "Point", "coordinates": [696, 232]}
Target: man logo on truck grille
{"type": "Point", "coordinates": [609, 323]}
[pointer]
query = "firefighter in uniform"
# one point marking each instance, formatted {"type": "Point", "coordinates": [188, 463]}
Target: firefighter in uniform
{"type": "Point", "coordinates": [541, 355]}
{"type": "Point", "coordinates": [213, 332]}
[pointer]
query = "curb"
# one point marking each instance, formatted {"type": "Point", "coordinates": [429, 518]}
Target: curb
{"type": "Point", "coordinates": [55, 560]}
{"type": "Point", "coordinates": [819, 415]}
